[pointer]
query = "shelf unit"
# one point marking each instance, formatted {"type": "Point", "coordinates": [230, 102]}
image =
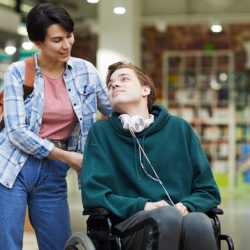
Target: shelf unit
{"type": "Point", "coordinates": [242, 130]}
{"type": "Point", "coordinates": [199, 86]}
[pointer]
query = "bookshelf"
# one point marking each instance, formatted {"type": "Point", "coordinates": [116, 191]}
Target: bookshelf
{"type": "Point", "coordinates": [200, 86]}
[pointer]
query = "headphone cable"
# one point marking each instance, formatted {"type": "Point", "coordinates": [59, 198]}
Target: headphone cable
{"type": "Point", "coordinates": [144, 170]}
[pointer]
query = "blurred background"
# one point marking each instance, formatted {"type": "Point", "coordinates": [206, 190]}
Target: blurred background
{"type": "Point", "coordinates": [198, 54]}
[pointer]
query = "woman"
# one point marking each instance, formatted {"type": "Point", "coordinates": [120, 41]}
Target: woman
{"type": "Point", "coordinates": [46, 133]}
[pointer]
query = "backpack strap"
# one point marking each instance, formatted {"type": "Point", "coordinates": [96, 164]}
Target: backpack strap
{"type": "Point", "coordinates": [1, 102]}
{"type": "Point", "coordinates": [30, 72]}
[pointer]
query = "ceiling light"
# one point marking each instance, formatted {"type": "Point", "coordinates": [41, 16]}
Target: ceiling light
{"type": "Point", "coordinates": [216, 28]}
{"type": "Point", "coordinates": [10, 49]}
{"type": "Point", "coordinates": [119, 7]}
{"type": "Point", "coordinates": [27, 45]}
{"type": "Point", "coordinates": [119, 10]}
{"type": "Point", "coordinates": [92, 1]}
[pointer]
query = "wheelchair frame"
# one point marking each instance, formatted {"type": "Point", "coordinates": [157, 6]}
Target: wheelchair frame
{"type": "Point", "coordinates": [100, 233]}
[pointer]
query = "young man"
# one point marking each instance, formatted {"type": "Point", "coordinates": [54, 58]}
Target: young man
{"type": "Point", "coordinates": [148, 168]}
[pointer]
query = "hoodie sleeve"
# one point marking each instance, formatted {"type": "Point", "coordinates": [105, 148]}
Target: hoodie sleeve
{"type": "Point", "coordinates": [205, 193]}
{"type": "Point", "coordinates": [98, 178]}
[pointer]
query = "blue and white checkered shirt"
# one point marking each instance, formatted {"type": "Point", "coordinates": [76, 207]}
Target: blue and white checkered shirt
{"type": "Point", "coordinates": [23, 119]}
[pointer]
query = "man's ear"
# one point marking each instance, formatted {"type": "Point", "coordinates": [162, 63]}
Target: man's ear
{"type": "Point", "coordinates": [146, 90]}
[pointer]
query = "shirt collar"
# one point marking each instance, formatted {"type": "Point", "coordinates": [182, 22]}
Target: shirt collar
{"type": "Point", "coordinates": [69, 63]}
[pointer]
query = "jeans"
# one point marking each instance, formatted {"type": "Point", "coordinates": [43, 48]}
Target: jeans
{"type": "Point", "coordinates": [165, 228]}
{"type": "Point", "coordinates": [41, 185]}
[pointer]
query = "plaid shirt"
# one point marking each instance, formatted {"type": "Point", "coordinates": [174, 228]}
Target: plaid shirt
{"type": "Point", "coordinates": [23, 119]}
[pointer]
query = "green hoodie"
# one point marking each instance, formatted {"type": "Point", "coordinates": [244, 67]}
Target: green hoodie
{"type": "Point", "coordinates": [112, 176]}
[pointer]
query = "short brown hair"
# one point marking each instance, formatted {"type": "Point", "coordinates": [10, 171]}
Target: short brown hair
{"type": "Point", "coordinates": [143, 79]}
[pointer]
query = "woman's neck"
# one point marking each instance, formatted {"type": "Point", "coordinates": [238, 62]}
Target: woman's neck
{"type": "Point", "coordinates": [50, 68]}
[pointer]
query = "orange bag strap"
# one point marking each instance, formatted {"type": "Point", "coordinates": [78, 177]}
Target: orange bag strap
{"type": "Point", "coordinates": [1, 103]}
{"type": "Point", "coordinates": [1, 97]}
{"type": "Point", "coordinates": [30, 71]}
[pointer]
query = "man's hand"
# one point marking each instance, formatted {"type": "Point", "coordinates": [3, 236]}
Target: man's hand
{"type": "Point", "coordinates": [153, 205]}
{"type": "Point", "coordinates": [183, 209]}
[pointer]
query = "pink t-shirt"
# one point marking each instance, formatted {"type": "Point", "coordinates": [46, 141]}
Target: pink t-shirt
{"type": "Point", "coordinates": [58, 114]}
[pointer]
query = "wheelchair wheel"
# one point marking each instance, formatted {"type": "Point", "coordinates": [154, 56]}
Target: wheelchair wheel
{"type": "Point", "coordinates": [79, 241]}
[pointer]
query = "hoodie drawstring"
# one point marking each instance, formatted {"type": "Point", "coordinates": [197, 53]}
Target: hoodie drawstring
{"type": "Point", "coordinates": [136, 162]}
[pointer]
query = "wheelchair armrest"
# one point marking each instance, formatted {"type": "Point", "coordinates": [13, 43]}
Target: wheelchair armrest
{"type": "Point", "coordinates": [100, 228]}
{"type": "Point", "coordinates": [214, 211]}
{"type": "Point", "coordinates": [96, 211]}
{"type": "Point", "coordinates": [102, 212]}
{"type": "Point", "coordinates": [213, 215]}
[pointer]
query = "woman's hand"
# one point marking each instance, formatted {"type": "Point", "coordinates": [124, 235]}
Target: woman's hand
{"type": "Point", "coordinates": [153, 205]}
{"type": "Point", "coordinates": [183, 209]}
{"type": "Point", "coordinates": [73, 159]}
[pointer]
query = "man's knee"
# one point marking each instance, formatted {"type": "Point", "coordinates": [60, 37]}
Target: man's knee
{"type": "Point", "coordinates": [198, 232]}
{"type": "Point", "coordinates": [196, 222]}
{"type": "Point", "coordinates": [169, 223]}
{"type": "Point", "coordinates": [167, 218]}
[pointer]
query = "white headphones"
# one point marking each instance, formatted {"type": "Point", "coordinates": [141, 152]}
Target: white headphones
{"type": "Point", "coordinates": [136, 122]}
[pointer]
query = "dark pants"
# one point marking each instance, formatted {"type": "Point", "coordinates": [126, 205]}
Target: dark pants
{"type": "Point", "coordinates": [166, 228]}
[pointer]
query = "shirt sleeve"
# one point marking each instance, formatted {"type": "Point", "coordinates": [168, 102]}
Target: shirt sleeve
{"type": "Point", "coordinates": [15, 118]}
{"type": "Point", "coordinates": [102, 97]}
{"type": "Point", "coordinates": [99, 180]}
{"type": "Point", "coordinates": [205, 193]}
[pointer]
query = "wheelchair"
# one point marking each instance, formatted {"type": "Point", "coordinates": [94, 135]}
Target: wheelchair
{"type": "Point", "coordinates": [101, 235]}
